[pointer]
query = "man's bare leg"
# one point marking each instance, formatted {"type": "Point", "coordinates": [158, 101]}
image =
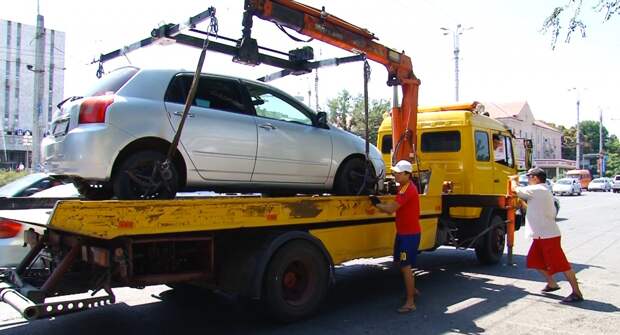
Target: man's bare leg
{"type": "Point", "coordinates": [550, 281]}
{"type": "Point", "coordinates": [409, 287]}
{"type": "Point", "coordinates": [572, 279]}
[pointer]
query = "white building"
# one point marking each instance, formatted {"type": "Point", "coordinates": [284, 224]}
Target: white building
{"type": "Point", "coordinates": [17, 54]}
{"type": "Point", "coordinates": [547, 140]}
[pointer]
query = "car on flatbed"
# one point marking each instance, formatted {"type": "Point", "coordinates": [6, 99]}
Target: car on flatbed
{"type": "Point", "coordinates": [239, 136]}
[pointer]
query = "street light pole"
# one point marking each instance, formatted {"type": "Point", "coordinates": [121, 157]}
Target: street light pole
{"type": "Point", "coordinates": [578, 132]}
{"type": "Point", "coordinates": [37, 132]}
{"type": "Point", "coordinates": [457, 49]}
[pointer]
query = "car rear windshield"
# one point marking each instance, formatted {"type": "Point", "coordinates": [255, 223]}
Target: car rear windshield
{"type": "Point", "coordinates": [564, 182]}
{"type": "Point", "coordinates": [441, 141]}
{"type": "Point", "coordinates": [112, 82]}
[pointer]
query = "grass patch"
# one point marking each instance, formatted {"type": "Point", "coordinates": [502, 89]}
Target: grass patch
{"type": "Point", "coordinates": [10, 175]}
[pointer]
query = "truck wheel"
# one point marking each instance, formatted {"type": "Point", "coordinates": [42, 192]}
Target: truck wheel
{"type": "Point", "coordinates": [350, 179]}
{"type": "Point", "coordinates": [135, 178]}
{"type": "Point", "coordinates": [295, 281]}
{"type": "Point", "coordinates": [490, 247]}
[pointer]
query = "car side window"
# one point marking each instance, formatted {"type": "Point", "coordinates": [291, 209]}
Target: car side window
{"type": "Point", "coordinates": [482, 146]}
{"type": "Point", "coordinates": [269, 105]}
{"type": "Point", "coordinates": [215, 93]}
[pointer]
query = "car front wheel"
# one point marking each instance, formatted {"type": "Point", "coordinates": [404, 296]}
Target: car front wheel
{"type": "Point", "coordinates": [355, 177]}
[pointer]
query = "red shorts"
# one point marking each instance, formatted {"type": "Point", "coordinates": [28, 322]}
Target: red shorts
{"type": "Point", "coordinates": [546, 254]}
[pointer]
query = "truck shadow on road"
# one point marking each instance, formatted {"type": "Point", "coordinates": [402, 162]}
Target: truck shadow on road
{"type": "Point", "coordinates": [455, 292]}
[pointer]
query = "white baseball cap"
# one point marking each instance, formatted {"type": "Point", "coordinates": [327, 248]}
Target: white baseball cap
{"type": "Point", "coordinates": [402, 166]}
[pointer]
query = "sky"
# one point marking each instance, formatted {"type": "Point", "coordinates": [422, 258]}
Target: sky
{"type": "Point", "coordinates": [504, 57]}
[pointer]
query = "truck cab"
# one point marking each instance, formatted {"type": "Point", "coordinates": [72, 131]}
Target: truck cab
{"type": "Point", "coordinates": [476, 152]}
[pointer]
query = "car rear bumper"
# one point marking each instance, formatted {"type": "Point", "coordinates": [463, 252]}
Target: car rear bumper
{"type": "Point", "coordinates": [87, 151]}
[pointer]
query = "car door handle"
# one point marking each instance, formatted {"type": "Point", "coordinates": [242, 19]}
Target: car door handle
{"type": "Point", "coordinates": [496, 180]}
{"type": "Point", "coordinates": [267, 126]}
{"type": "Point", "coordinates": [181, 114]}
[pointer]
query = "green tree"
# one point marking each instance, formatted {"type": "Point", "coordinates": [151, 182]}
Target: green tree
{"type": "Point", "coordinates": [376, 110]}
{"type": "Point", "coordinates": [612, 148]}
{"type": "Point", "coordinates": [347, 112]}
{"type": "Point", "coordinates": [570, 14]}
{"type": "Point", "coordinates": [340, 109]}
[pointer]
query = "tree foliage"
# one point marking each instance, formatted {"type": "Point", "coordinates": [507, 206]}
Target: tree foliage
{"type": "Point", "coordinates": [347, 112]}
{"type": "Point", "coordinates": [570, 14]}
{"type": "Point", "coordinates": [589, 136]}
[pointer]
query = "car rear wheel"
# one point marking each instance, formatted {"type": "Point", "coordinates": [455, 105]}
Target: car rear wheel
{"type": "Point", "coordinates": [140, 176]}
{"type": "Point", "coordinates": [355, 177]}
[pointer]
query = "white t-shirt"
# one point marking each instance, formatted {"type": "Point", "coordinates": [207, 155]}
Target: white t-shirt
{"type": "Point", "coordinates": [540, 217]}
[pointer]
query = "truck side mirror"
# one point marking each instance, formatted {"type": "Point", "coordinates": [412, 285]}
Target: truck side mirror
{"type": "Point", "coordinates": [528, 145]}
{"type": "Point", "coordinates": [321, 119]}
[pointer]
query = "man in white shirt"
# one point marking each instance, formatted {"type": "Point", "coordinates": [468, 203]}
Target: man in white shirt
{"type": "Point", "coordinates": [546, 254]}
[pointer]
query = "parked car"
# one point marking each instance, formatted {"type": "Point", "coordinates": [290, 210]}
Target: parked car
{"type": "Point", "coordinates": [616, 184]}
{"type": "Point", "coordinates": [599, 184]}
{"type": "Point", "coordinates": [28, 185]}
{"type": "Point", "coordinates": [568, 186]}
{"type": "Point", "coordinates": [12, 249]}
{"type": "Point", "coordinates": [240, 135]}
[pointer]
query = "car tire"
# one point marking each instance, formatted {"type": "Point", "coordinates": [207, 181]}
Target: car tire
{"type": "Point", "coordinates": [350, 178]}
{"type": "Point", "coordinates": [490, 247]}
{"type": "Point", "coordinates": [296, 281]}
{"type": "Point", "coordinates": [136, 171]}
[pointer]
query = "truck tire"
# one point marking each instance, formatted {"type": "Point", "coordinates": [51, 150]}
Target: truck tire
{"type": "Point", "coordinates": [139, 166]}
{"type": "Point", "coordinates": [296, 281]}
{"type": "Point", "coordinates": [490, 247]}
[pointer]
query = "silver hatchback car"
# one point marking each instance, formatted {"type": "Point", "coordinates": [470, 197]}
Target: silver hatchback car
{"type": "Point", "coordinates": [240, 135]}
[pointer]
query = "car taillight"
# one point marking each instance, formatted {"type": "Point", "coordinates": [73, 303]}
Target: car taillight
{"type": "Point", "coordinates": [9, 228]}
{"type": "Point", "coordinates": [92, 110]}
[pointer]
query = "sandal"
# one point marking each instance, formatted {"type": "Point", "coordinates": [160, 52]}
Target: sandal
{"type": "Point", "coordinates": [406, 309]}
{"type": "Point", "coordinates": [573, 297]}
{"type": "Point", "coordinates": [548, 289]}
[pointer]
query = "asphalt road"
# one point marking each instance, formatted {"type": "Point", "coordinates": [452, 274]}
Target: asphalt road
{"type": "Point", "coordinates": [457, 295]}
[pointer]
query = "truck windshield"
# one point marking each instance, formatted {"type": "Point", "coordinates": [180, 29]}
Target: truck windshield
{"type": "Point", "coordinates": [111, 82]}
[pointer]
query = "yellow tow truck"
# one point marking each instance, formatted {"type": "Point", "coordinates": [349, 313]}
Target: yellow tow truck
{"type": "Point", "coordinates": [279, 250]}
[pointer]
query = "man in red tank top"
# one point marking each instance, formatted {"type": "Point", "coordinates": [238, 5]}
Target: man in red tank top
{"type": "Point", "coordinates": [407, 241]}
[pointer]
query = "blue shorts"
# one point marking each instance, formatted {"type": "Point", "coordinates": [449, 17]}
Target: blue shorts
{"type": "Point", "coordinates": [406, 249]}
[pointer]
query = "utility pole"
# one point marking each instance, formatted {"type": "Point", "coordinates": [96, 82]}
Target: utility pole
{"type": "Point", "coordinates": [578, 133]}
{"type": "Point", "coordinates": [316, 89]}
{"type": "Point", "coordinates": [38, 92]}
{"type": "Point", "coordinates": [601, 153]}
{"type": "Point", "coordinates": [455, 36]}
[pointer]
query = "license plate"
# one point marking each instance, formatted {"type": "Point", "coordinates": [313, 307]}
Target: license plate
{"type": "Point", "coordinates": [60, 128]}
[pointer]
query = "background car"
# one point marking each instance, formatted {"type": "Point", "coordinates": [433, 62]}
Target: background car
{"type": "Point", "coordinates": [28, 185]}
{"type": "Point", "coordinates": [240, 135]}
{"type": "Point", "coordinates": [12, 249]}
{"type": "Point", "coordinates": [616, 184]}
{"type": "Point", "coordinates": [567, 186]}
{"type": "Point", "coordinates": [599, 184]}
